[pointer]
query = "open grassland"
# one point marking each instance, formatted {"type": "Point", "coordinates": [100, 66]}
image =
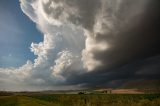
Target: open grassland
{"type": "Point", "coordinates": [81, 100]}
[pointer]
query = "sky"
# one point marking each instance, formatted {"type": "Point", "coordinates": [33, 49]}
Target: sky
{"type": "Point", "coordinates": [77, 44]}
{"type": "Point", "coordinates": [17, 32]}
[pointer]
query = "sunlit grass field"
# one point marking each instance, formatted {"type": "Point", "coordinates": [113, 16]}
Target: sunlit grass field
{"type": "Point", "coordinates": [81, 100]}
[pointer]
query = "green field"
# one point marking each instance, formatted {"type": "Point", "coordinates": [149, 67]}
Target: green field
{"type": "Point", "coordinates": [81, 100]}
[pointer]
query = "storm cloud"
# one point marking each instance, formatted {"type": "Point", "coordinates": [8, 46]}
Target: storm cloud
{"type": "Point", "coordinates": [91, 43]}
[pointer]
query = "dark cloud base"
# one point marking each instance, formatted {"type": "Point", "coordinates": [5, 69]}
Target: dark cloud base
{"type": "Point", "coordinates": [144, 69]}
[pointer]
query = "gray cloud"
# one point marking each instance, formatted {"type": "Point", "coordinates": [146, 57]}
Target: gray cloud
{"type": "Point", "coordinates": [130, 29]}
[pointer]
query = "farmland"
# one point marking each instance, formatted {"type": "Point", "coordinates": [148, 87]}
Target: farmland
{"type": "Point", "coordinates": [80, 100]}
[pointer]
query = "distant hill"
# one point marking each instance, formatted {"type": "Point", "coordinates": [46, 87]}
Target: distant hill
{"type": "Point", "coordinates": [143, 84]}
{"type": "Point", "coordinates": [146, 86]}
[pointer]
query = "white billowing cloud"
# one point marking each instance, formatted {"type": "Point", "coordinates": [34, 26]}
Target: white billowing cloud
{"type": "Point", "coordinates": [14, 78]}
{"type": "Point", "coordinates": [26, 6]}
{"type": "Point", "coordinates": [19, 73]}
{"type": "Point", "coordinates": [61, 47]}
{"type": "Point", "coordinates": [76, 14]}
{"type": "Point", "coordinates": [65, 59]}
